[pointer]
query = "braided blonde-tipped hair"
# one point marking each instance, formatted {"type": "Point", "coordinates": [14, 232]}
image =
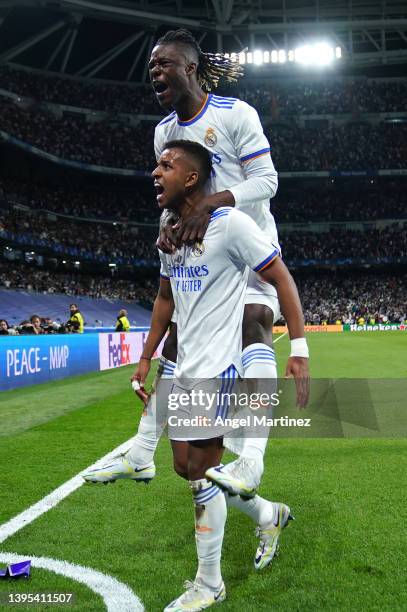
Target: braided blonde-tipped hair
{"type": "Point", "coordinates": [212, 67]}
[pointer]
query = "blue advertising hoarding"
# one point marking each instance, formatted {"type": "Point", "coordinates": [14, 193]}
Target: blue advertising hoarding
{"type": "Point", "coordinates": [27, 360]}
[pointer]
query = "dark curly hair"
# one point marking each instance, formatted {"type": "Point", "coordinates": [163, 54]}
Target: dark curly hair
{"type": "Point", "coordinates": [212, 67]}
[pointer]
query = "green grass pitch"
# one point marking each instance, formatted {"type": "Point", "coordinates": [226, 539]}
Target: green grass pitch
{"type": "Point", "coordinates": [345, 550]}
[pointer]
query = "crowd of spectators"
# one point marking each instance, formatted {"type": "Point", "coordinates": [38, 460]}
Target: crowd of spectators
{"type": "Point", "coordinates": [384, 201]}
{"type": "Point", "coordinates": [353, 146]}
{"type": "Point", "coordinates": [102, 242]}
{"type": "Point", "coordinates": [113, 205]}
{"type": "Point", "coordinates": [105, 143]}
{"type": "Point", "coordinates": [327, 297]}
{"type": "Point", "coordinates": [29, 278]}
{"type": "Point", "coordinates": [346, 298]}
{"type": "Point", "coordinates": [284, 98]}
{"type": "Point", "coordinates": [92, 94]}
{"type": "Point", "coordinates": [130, 245]}
{"type": "Point", "coordinates": [373, 245]}
{"type": "Point", "coordinates": [325, 97]}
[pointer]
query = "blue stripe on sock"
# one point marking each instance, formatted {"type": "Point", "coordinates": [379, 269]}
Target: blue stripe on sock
{"type": "Point", "coordinates": [231, 373]}
{"type": "Point", "coordinates": [259, 357]}
{"type": "Point", "coordinates": [207, 495]}
{"type": "Point", "coordinates": [260, 353]}
{"type": "Point", "coordinates": [218, 406]}
{"type": "Point", "coordinates": [256, 351]}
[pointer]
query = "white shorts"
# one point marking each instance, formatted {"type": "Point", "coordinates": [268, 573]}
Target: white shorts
{"type": "Point", "coordinates": [260, 292]}
{"type": "Point", "coordinates": [189, 420]}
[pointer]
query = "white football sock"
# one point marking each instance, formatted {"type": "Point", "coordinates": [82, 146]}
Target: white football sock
{"type": "Point", "coordinates": [210, 519]}
{"type": "Point", "coordinates": [151, 424]}
{"type": "Point", "coordinates": [259, 363]}
{"type": "Point", "coordinates": [260, 510]}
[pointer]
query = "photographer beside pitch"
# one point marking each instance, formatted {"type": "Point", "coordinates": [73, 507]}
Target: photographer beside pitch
{"type": "Point", "coordinates": [210, 311]}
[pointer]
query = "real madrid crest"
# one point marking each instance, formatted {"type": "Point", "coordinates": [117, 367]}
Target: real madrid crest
{"type": "Point", "coordinates": [198, 249]}
{"type": "Point", "coordinates": [210, 138]}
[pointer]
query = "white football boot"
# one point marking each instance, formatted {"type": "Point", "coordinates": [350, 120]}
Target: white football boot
{"type": "Point", "coordinates": [196, 597]}
{"type": "Point", "coordinates": [240, 477]}
{"type": "Point", "coordinates": [120, 469]}
{"type": "Point", "coordinates": [269, 536]}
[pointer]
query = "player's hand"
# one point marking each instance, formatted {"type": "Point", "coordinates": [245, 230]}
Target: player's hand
{"type": "Point", "coordinates": [167, 239]}
{"type": "Point", "coordinates": [193, 229]}
{"type": "Point", "coordinates": [141, 372]}
{"type": "Point", "coordinates": [297, 368]}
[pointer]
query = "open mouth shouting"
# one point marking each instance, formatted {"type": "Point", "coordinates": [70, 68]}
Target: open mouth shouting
{"type": "Point", "coordinates": [159, 190]}
{"type": "Point", "coordinates": [160, 88]}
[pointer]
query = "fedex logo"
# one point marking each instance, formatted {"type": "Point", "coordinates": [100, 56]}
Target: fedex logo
{"type": "Point", "coordinates": [119, 353]}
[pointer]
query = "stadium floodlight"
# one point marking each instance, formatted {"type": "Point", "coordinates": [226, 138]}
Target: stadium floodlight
{"type": "Point", "coordinates": [112, 265]}
{"type": "Point", "coordinates": [258, 57]}
{"type": "Point", "coordinates": [319, 54]}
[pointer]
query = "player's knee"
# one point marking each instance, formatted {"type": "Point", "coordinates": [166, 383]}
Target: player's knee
{"type": "Point", "coordinates": [181, 468]}
{"type": "Point", "coordinates": [198, 467]}
{"type": "Point", "coordinates": [257, 325]}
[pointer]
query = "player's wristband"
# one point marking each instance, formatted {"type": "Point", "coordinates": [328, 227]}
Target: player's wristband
{"type": "Point", "coordinates": [146, 358]}
{"type": "Point", "coordinates": [299, 348]}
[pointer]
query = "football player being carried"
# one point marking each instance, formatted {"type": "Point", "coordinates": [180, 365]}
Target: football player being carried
{"type": "Point", "coordinates": [244, 177]}
{"type": "Point", "coordinates": [210, 308]}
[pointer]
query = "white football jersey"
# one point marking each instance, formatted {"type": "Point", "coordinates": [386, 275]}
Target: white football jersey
{"type": "Point", "coordinates": [208, 283]}
{"type": "Point", "coordinates": [231, 131]}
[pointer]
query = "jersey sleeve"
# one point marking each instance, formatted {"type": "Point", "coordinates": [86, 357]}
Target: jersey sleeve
{"type": "Point", "coordinates": [250, 141]}
{"type": "Point", "coordinates": [253, 151]}
{"type": "Point", "coordinates": [247, 243]}
{"type": "Point", "coordinates": [158, 141]}
{"type": "Point", "coordinates": [164, 271]}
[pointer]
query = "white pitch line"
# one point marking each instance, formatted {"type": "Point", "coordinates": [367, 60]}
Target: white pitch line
{"type": "Point", "coordinates": [279, 338]}
{"type": "Point", "coordinates": [118, 597]}
{"type": "Point", "coordinates": [50, 501]}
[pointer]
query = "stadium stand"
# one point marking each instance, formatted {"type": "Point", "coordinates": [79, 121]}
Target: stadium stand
{"type": "Point", "coordinates": [338, 296]}
{"type": "Point", "coordinates": [365, 201]}
{"type": "Point", "coordinates": [17, 306]}
{"type": "Point", "coordinates": [120, 244]}
{"type": "Point", "coordinates": [353, 146]}
{"type": "Point", "coordinates": [42, 222]}
{"type": "Point", "coordinates": [327, 96]}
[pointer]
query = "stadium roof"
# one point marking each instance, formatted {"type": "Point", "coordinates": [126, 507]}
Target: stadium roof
{"type": "Point", "coordinates": [108, 39]}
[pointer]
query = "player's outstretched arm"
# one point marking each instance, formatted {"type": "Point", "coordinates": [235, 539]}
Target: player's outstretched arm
{"type": "Point", "coordinates": [160, 321]}
{"type": "Point", "coordinates": [297, 366]}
